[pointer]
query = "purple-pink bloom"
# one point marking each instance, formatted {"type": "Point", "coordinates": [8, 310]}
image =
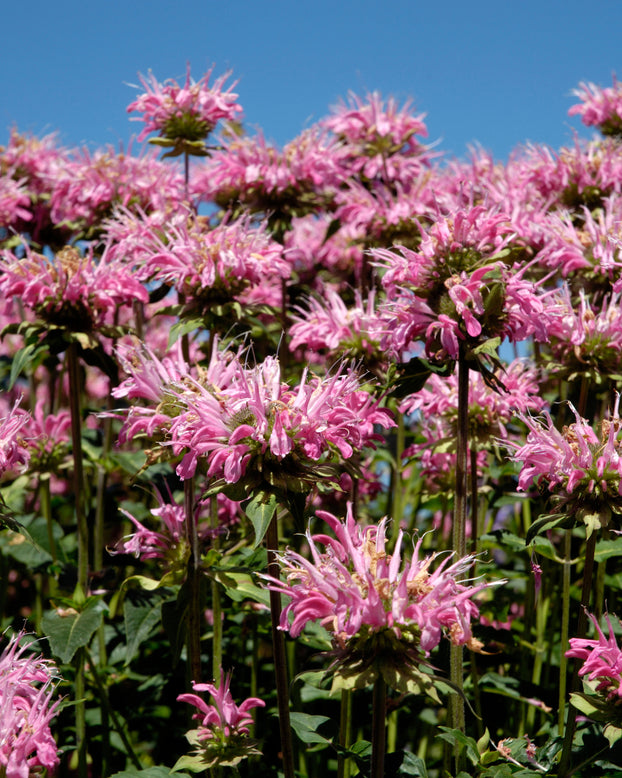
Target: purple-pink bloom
{"type": "Point", "coordinates": [80, 292]}
{"type": "Point", "coordinates": [602, 660]}
{"type": "Point", "coordinates": [600, 106]}
{"type": "Point", "coordinates": [26, 709]}
{"type": "Point", "coordinates": [14, 453]}
{"type": "Point", "coordinates": [189, 112]}
{"type": "Point", "coordinates": [355, 585]}
{"type": "Point", "coordinates": [224, 717]}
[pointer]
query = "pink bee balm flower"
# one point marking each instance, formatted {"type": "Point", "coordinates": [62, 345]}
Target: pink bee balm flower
{"type": "Point", "coordinates": [222, 736]}
{"type": "Point", "coordinates": [378, 138]}
{"type": "Point", "coordinates": [600, 107]}
{"type": "Point", "coordinates": [581, 468]}
{"type": "Point", "coordinates": [26, 709]}
{"type": "Point", "coordinates": [189, 112]}
{"type": "Point", "coordinates": [14, 453]}
{"type": "Point", "coordinates": [602, 660]}
{"type": "Point", "coordinates": [79, 292]}
{"type": "Point", "coordinates": [360, 592]}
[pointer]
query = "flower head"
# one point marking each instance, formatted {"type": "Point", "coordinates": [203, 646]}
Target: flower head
{"type": "Point", "coordinates": [184, 113]}
{"type": "Point", "coordinates": [26, 709]}
{"type": "Point", "coordinates": [600, 107]}
{"type": "Point", "coordinates": [602, 660]}
{"type": "Point", "coordinates": [376, 604]}
{"type": "Point", "coordinates": [222, 735]}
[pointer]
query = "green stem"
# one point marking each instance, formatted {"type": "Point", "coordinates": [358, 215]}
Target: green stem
{"type": "Point", "coordinates": [280, 659]}
{"type": "Point", "coordinates": [78, 469]}
{"type": "Point", "coordinates": [193, 635]}
{"type": "Point", "coordinates": [216, 601]}
{"type": "Point", "coordinates": [586, 590]}
{"type": "Point", "coordinates": [46, 509]}
{"type": "Point", "coordinates": [105, 701]}
{"type": "Point", "coordinates": [456, 656]}
{"type": "Point", "coordinates": [345, 732]}
{"type": "Point", "coordinates": [378, 734]}
{"type": "Point", "coordinates": [565, 628]}
{"type": "Point", "coordinates": [80, 715]}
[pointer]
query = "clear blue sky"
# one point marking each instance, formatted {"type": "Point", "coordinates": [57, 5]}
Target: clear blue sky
{"type": "Point", "coordinates": [497, 72]}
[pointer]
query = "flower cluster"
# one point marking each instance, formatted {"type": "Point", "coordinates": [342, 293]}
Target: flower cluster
{"type": "Point", "coordinates": [222, 737]}
{"type": "Point", "coordinates": [581, 468]}
{"type": "Point", "coordinates": [245, 419]}
{"type": "Point", "coordinates": [80, 292]}
{"type": "Point", "coordinates": [14, 453]}
{"type": "Point", "coordinates": [370, 599]}
{"type": "Point", "coordinates": [600, 107]}
{"type": "Point", "coordinates": [455, 289]}
{"type": "Point", "coordinates": [602, 660]}
{"type": "Point", "coordinates": [189, 112]}
{"type": "Point", "coordinates": [26, 710]}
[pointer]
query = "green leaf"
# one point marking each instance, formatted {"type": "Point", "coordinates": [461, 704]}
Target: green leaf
{"type": "Point", "coordinates": [456, 737]}
{"type": "Point", "coordinates": [592, 706]}
{"type": "Point", "coordinates": [68, 633]}
{"type": "Point", "coordinates": [149, 772]}
{"type": "Point", "coordinates": [240, 586]}
{"type": "Point", "coordinates": [24, 357]}
{"type": "Point", "coordinates": [306, 726]}
{"type": "Point", "coordinates": [612, 733]}
{"type": "Point", "coordinates": [260, 511]}
{"type": "Point", "coordinates": [550, 521]}
{"type": "Point", "coordinates": [142, 611]}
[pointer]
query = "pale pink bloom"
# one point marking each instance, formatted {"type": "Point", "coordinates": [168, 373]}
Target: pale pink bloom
{"type": "Point", "coordinates": [77, 291]}
{"type": "Point", "coordinates": [190, 111]}
{"type": "Point", "coordinates": [354, 584]}
{"type": "Point", "coordinates": [224, 717]}
{"type": "Point", "coordinates": [378, 139]}
{"type": "Point", "coordinates": [600, 106]}
{"type": "Point", "coordinates": [575, 462]}
{"type": "Point", "coordinates": [14, 204]}
{"type": "Point", "coordinates": [329, 324]}
{"type": "Point", "coordinates": [589, 246]}
{"type": "Point", "coordinates": [586, 339]}
{"type": "Point", "coordinates": [211, 266]}
{"type": "Point", "coordinates": [299, 178]}
{"type": "Point", "coordinates": [602, 660]}
{"type": "Point", "coordinates": [309, 248]}
{"type": "Point", "coordinates": [170, 543]}
{"type": "Point", "coordinates": [88, 186]}
{"type": "Point", "coordinates": [232, 415]}
{"type": "Point", "coordinates": [14, 453]}
{"type": "Point", "coordinates": [26, 710]}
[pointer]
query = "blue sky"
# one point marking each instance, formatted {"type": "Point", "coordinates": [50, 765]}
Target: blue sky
{"type": "Point", "coordinates": [489, 71]}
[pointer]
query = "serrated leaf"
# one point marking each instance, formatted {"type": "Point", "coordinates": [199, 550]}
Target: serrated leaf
{"type": "Point", "coordinates": [260, 510]}
{"type": "Point", "coordinates": [69, 633]}
{"type": "Point", "coordinates": [306, 726]}
{"type": "Point", "coordinates": [142, 611]}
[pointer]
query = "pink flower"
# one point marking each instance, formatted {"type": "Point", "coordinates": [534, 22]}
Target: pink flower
{"type": "Point", "coordinates": [212, 266]}
{"type": "Point", "coordinates": [354, 585]}
{"type": "Point", "coordinates": [602, 660]}
{"type": "Point", "coordinates": [251, 172]}
{"type": "Point", "coordinates": [26, 709]}
{"type": "Point", "coordinates": [224, 716]}
{"type": "Point", "coordinates": [235, 417]}
{"type": "Point", "coordinates": [188, 112]}
{"type": "Point", "coordinates": [378, 139]}
{"type": "Point", "coordinates": [14, 453]}
{"type": "Point", "coordinates": [581, 468]}
{"type": "Point", "coordinates": [79, 292]}
{"type": "Point", "coordinates": [600, 107]}
{"type": "Point", "coordinates": [222, 737]}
